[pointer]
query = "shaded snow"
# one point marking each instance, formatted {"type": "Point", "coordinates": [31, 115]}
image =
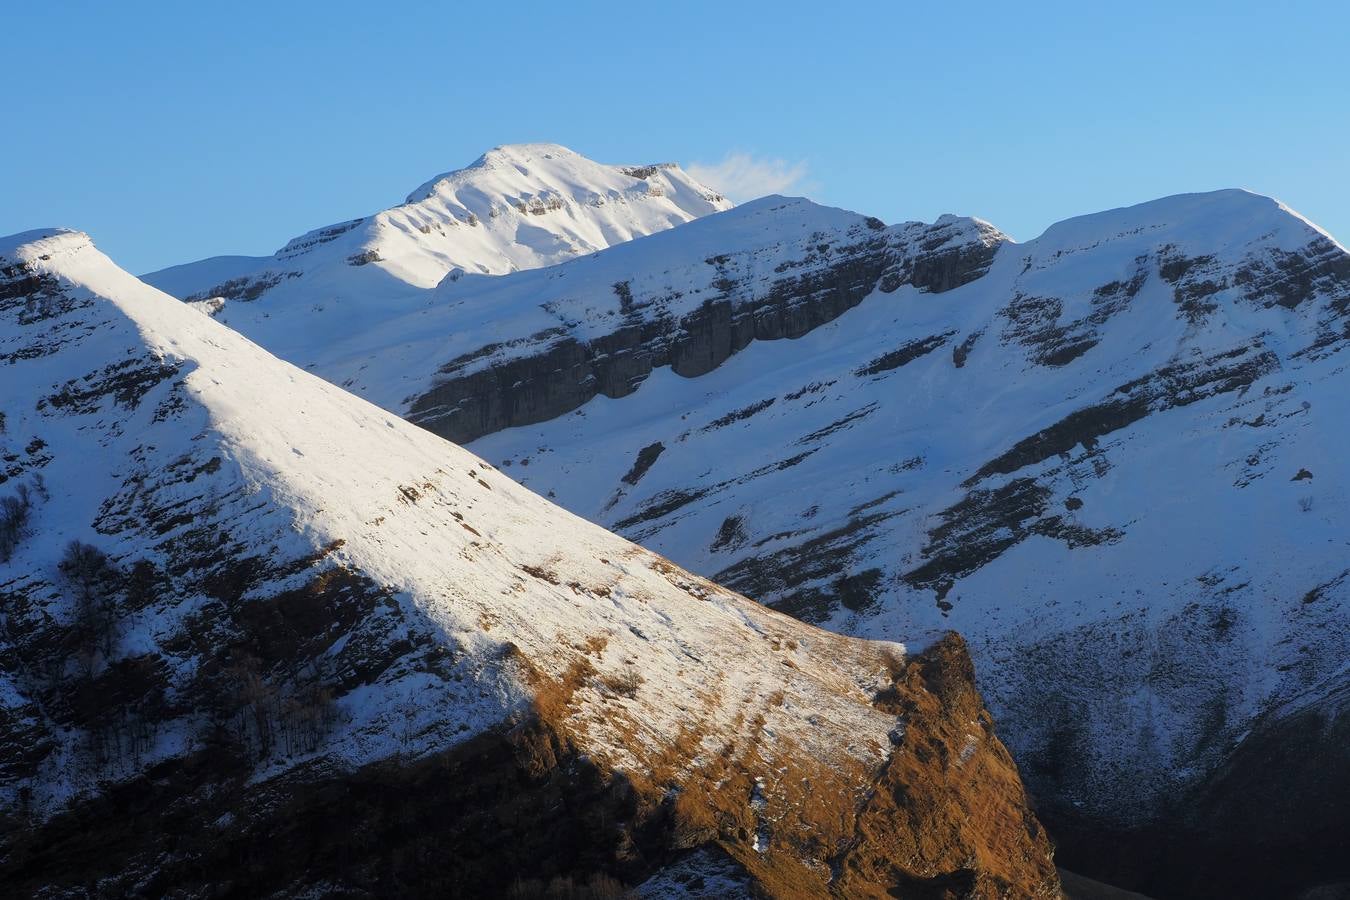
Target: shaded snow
{"type": "Point", "coordinates": [1174, 612]}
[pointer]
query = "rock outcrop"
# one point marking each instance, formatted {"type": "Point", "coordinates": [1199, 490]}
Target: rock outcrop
{"type": "Point", "coordinates": [691, 315]}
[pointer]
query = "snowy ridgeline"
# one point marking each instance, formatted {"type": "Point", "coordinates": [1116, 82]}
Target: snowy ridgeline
{"type": "Point", "coordinates": [319, 638]}
{"type": "Point", "coordinates": [419, 595]}
{"type": "Point", "coordinates": [518, 207]}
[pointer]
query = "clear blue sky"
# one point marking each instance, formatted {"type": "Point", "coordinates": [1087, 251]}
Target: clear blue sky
{"type": "Point", "coordinates": [172, 131]}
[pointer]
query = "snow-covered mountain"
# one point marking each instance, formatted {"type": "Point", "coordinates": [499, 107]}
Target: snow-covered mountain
{"type": "Point", "coordinates": [517, 207]}
{"type": "Point", "coordinates": [260, 636]}
{"type": "Point", "coordinates": [479, 353]}
{"type": "Point", "coordinates": [1108, 456]}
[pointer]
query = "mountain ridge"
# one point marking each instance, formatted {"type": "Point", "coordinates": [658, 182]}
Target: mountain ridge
{"type": "Point", "coordinates": [242, 604]}
{"type": "Point", "coordinates": [996, 457]}
{"type": "Point", "coordinates": [517, 206]}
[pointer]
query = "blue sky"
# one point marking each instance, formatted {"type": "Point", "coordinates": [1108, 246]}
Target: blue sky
{"type": "Point", "coordinates": [176, 131]}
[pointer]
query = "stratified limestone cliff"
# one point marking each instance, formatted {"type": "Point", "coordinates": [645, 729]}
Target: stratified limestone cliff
{"type": "Point", "coordinates": [803, 267]}
{"type": "Point", "coordinates": [1110, 462]}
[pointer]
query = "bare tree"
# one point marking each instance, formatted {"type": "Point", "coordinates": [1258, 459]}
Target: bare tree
{"type": "Point", "coordinates": [93, 582]}
{"type": "Point", "coordinates": [14, 515]}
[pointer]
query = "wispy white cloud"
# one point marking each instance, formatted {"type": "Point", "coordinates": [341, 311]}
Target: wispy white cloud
{"type": "Point", "coordinates": [743, 176]}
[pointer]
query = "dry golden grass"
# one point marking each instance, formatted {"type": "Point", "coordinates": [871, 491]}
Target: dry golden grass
{"type": "Point", "coordinates": [595, 644]}
{"type": "Point", "coordinates": [623, 684]}
{"type": "Point", "coordinates": [832, 827]}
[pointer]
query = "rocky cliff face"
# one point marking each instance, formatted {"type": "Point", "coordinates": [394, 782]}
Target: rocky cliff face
{"type": "Point", "coordinates": [477, 354]}
{"type": "Point", "coordinates": [260, 637]}
{"type": "Point", "coordinates": [1106, 461]}
{"type": "Point", "coordinates": [806, 268]}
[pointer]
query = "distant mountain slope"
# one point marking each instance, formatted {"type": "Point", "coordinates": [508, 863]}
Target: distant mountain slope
{"type": "Point", "coordinates": [517, 207]}
{"type": "Point", "coordinates": [259, 636]}
{"type": "Point", "coordinates": [1108, 456]}
{"type": "Point", "coordinates": [480, 353]}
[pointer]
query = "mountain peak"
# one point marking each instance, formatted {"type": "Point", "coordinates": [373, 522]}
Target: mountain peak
{"type": "Point", "coordinates": [513, 171]}
{"type": "Point", "coordinates": [518, 206]}
{"type": "Point", "coordinates": [1230, 215]}
{"type": "Point", "coordinates": [529, 149]}
{"type": "Point", "coordinates": [40, 241]}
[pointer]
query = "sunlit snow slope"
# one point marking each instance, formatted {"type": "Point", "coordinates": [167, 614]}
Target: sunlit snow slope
{"type": "Point", "coordinates": [281, 584]}
{"type": "Point", "coordinates": [517, 207]}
